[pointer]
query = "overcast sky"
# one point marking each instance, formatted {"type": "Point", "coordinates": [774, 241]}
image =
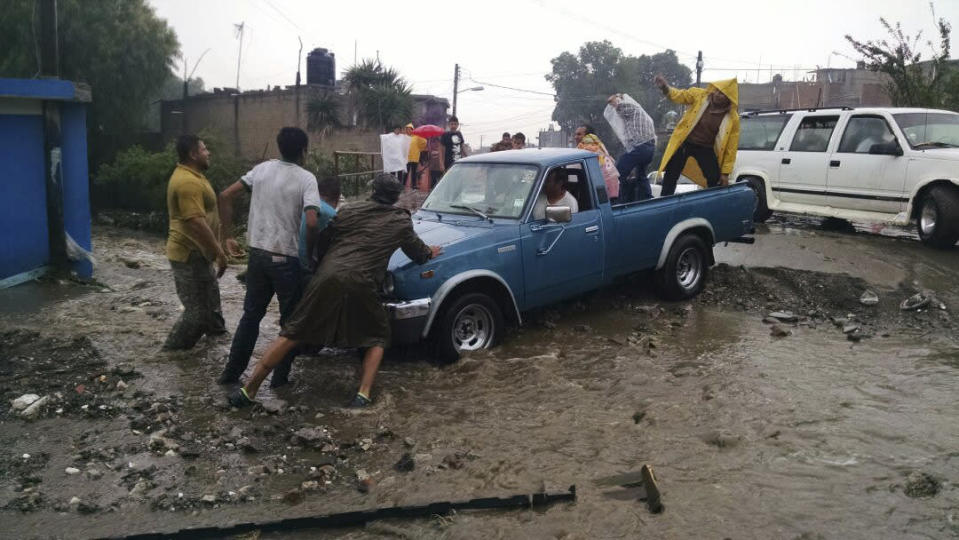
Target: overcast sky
{"type": "Point", "coordinates": [510, 43]}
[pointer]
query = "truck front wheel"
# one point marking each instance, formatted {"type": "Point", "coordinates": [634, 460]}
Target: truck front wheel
{"type": "Point", "coordinates": [472, 322]}
{"type": "Point", "coordinates": [938, 220]}
{"type": "Point", "coordinates": [684, 273]}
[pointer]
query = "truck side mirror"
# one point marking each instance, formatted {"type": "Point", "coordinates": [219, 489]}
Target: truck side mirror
{"type": "Point", "coordinates": [886, 149]}
{"type": "Point", "coordinates": [559, 214]}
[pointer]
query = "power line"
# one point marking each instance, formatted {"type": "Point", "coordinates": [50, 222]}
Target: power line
{"type": "Point", "coordinates": [280, 12]}
{"type": "Point", "coordinates": [513, 88]}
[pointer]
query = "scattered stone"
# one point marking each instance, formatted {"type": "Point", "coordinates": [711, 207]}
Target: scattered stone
{"type": "Point", "coordinates": [170, 453]}
{"type": "Point", "coordinates": [34, 409]}
{"type": "Point", "coordinates": [248, 446]}
{"type": "Point", "coordinates": [94, 474]}
{"type": "Point", "coordinates": [422, 459]}
{"type": "Point", "coordinates": [71, 471]}
{"type": "Point", "coordinates": [851, 327]}
{"type": "Point", "coordinates": [310, 485]}
{"type": "Point", "coordinates": [406, 463]}
{"type": "Point", "coordinates": [364, 482]}
{"type": "Point", "coordinates": [779, 331]}
{"type": "Point", "coordinates": [130, 263]}
{"type": "Point", "coordinates": [365, 444]}
{"type": "Point", "coordinates": [87, 508]}
{"type": "Point", "coordinates": [869, 298]}
{"type": "Point", "coordinates": [409, 442]}
{"type": "Point", "coordinates": [294, 496]}
{"type": "Point", "coordinates": [311, 435]}
{"type": "Point", "coordinates": [121, 386]}
{"type": "Point", "coordinates": [784, 316]}
{"type": "Point", "coordinates": [24, 401]}
{"type": "Point", "coordinates": [208, 499]}
{"type": "Point", "coordinates": [74, 501]}
{"type": "Point", "coordinates": [452, 461]}
{"type": "Point", "coordinates": [914, 302]}
{"type": "Point", "coordinates": [770, 320]}
{"type": "Point", "coordinates": [920, 485]}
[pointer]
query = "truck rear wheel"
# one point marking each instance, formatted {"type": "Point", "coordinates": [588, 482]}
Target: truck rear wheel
{"type": "Point", "coordinates": [472, 322]}
{"type": "Point", "coordinates": [762, 211]}
{"type": "Point", "coordinates": [938, 220]}
{"type": "Point", "coordinates": [684, 273]}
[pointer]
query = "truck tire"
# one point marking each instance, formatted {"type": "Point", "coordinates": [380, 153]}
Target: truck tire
{"type": "Point", "coordinates": [471, 322]}
{"type": "Point", "coordinates": [684, 273]}
{"type": "Point", "coordinates": [762, 211]}
{"type": "Point", "coordinates": [938, 219]}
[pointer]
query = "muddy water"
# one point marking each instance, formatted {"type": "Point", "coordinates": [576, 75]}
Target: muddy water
{"type": "Point", "coordinates": [750, 436]}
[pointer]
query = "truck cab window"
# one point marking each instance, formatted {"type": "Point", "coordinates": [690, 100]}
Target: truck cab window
{"type": "Point", "coordinates": [813, 134]}
{"type": "Point", "coordinates": [862, 132]}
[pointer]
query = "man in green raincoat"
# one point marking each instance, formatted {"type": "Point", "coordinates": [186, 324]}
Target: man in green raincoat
{"type": "Point", "coordinates": [341, 306]}
{"type": "Point", "coordinates": [708, 132]}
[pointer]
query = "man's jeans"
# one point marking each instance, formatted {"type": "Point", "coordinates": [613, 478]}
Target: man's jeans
{"type": "Point", "coordinates": [199, 292]}
{"type": "Point", "coordinates": [637, 158]}
{"type": "Point", "coordinates": [267, 274]}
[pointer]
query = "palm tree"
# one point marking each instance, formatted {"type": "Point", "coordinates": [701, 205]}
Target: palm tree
{"type": "Point", "coordinates": [323, 113]}
{"type": "Point", "coordinates": [382, 97]}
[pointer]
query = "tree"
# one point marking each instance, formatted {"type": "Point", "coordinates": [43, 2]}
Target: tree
{"type": "Point", "coordinates": [913, 82]}
{"type": "Point", "coordinates": [585, 80]}
{"type": "Point", "coordinates": [382, 97]}
{"type": "Point", "coordinates": [323, 113]}
{"type": "Point", "coordinates": [120, 48]}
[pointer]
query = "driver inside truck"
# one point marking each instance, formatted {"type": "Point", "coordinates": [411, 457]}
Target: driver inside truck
{"type": "Point", "coordinates": [554, 194]}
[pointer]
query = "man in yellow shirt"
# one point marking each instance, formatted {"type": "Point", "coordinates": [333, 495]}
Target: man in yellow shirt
{"type": "Point", "coordinates": [415, 158]}
{"type": "Point", "coordinates": [192, 245]}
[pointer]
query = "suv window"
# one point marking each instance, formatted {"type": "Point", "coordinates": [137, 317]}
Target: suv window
{"type": "Point", "coordinates": [813, 134]}
{"type": "Point", "coordinates": [862, 132]}
{"type": "Point", "coordinates": [761, 132]}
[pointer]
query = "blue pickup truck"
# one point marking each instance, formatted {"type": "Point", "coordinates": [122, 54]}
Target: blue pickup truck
{"type": "Point", "coordinates": [499, 261]}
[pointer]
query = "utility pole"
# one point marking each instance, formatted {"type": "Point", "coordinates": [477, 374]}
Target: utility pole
{"type": "Point", "coordinates": [49, 41]}
{"type": "Point", "coordinates": [299, 60]}
{"type": "Point", "coordinates": [53, 176]}
{"type": "Point", "coordinates": [239, 53]}
{"type": "Point", "coordinates": [456, 85]}
{"type": "Point", "coordinates": [699, 68]}
{"type": "Point", "coordinates": [184, 124]}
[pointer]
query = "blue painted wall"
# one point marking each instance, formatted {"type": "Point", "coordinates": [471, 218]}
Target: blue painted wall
{"type": "Point", "coordinates": [24, 241]}
{"type": "Point", "coordinates": [76, 182]}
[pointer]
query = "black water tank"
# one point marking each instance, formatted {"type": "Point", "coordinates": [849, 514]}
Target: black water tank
{"type": "Point", "coordinates": [321, 67]}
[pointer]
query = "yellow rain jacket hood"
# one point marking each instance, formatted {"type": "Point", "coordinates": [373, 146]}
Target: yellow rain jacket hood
{"type": "Point", "coordinates": [727, 139]}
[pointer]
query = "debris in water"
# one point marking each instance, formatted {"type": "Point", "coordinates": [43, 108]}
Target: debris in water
{"type": "Point", "coordinates": [784, 316]}
{"type": "Point", "coordinates": [914, 302]}
{"type": "Point", "coordinates": [24, 401]}
{"type": "Point", "coordinates": [869, 298]}
{"type": "Point", "coordinates": [920, 485]}
{"type": "Point", "coordinates": [778, 331]}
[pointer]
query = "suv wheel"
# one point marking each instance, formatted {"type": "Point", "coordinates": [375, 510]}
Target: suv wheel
{"type": "Point", "coordinates": [472, 322]}
{"type": "Point", "coordinates": [762, 211]}
{"type": "Point", "coordinates": [938, 219]}
{"type": "Point", "coordinates": [684, 273]}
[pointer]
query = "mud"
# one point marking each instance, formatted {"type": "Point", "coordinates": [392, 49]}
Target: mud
{"type": "Point", "coordinates": [814, 434]}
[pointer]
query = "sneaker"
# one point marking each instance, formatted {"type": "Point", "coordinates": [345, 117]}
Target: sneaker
{"type": "Point", "coordinates": [239, 399]}
{"type": "Point", "coordinates": [359, 402]}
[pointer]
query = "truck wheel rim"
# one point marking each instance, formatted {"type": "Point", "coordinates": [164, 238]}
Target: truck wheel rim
{"type": "Point", "coordinates": [689, 268]}
{"type": "Point", "coordinates": [472, 328]}
{"type": "Point", "coordinates": [927, 220]}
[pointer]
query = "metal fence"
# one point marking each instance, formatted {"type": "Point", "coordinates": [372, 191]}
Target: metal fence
{"type": "Point", "coordinates": [350, 167]}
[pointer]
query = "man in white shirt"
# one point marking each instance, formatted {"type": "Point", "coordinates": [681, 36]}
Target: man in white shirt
{"type": "Point", "coordinates": [281, 191]}
{"type": "Point", "coordinates": [554, 194]}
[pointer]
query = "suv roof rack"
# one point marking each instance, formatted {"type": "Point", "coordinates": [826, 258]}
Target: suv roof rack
{"type": "Point", "coordinates": [806, 109]}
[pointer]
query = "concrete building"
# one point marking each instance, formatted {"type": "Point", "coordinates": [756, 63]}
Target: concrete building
{"type": "Point", "coordinates": [827, 88]}
{"type": "Point", "coordinates": [44, 180]}
{"type": "Point", "coordinates": [554, 138]}
{"type": "Point", "coordinates": [248, 121]}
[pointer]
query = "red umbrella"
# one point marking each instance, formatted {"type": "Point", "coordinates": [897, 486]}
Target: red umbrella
{"type": "Point", "coordinates": [428, 130]}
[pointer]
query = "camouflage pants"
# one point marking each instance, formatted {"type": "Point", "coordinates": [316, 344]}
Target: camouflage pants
{"type": "Point", "coordinates": [199, 292]}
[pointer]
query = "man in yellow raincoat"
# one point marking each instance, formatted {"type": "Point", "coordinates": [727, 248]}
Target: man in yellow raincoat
{"type": "Point", "coordinates": [708, 133]}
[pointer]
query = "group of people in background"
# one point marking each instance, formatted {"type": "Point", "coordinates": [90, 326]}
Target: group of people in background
{"type": "Point", "coordinates": [324, 262]}
{"type": "Point", "coordinates": [427, 159]}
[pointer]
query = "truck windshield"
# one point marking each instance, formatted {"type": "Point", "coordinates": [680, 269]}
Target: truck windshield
{"type": "Point", "coordinates": [930, 129]}
{"type": "Point", "coordinates": [494, 189]}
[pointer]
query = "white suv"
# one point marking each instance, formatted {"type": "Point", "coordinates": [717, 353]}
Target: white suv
{"type": "Point", "coordinates": [871, 164]}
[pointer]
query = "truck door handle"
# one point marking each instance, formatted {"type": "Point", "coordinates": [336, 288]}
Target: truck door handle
{"type": "Point", "coordinates": [834, 163]}
{"type": "Point", "coordinates": [592, 229]}
{"type": "Point", "coordinates": [786, 161]}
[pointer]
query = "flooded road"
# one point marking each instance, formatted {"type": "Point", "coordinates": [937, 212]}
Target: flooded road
{"type": "Point", "coordinates": [817, 434]}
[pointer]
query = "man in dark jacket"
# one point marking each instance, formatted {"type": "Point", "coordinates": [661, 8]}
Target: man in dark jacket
{"type": "Point", "coordinates": [341, 306]}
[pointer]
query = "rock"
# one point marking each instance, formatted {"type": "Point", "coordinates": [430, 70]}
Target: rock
{"type": "Point", "coordinates": [24, 401]}
{"type": "Point", "coordinates": [94, 474]}
{"type": "Point", "coordinates": [452, 461]}
{"type": "Point", "coordinates": [779, 331]}
{"type": "Point", "coordinates": [784, 316]}
{"type": "Point", "coordinates": [405, 464]}
{"type": "Point", "coordinates": [409, 442]}
{"type": "Point", "coordinates": [74, 501]}
{"type": "Point", "coordinates": [208, 499]}
{"type": "Point", "coordinates": [422, 459]}
{"type": "Point", "coordinates": [311, 435]}
{"type": "Point", "coordinates": [364, 482]}
{"type": "Point", "coordinates": [310, 485]}
{"type": "Point", "coordinates": [294, 496]}
{"type": "Point", "coordinates": [770, 320]}
{"type": "Point", "coordinates": [131, 263]}
{"type": "Point", "coordinates": [121, 386]}
{"type": "Point", "coordinates": [245, 444]}
{"type": "Point", "coordinates": [914, 302]}
{"type": "Point", "coordinates": [170, 453]}
{"type": "Point", "coordinates": [920, 485]}
{"type": "Point", "coordinates": [869, 298]}
{"type": "Point", "coordinates": [87, 508]}
{"type": "Point", "coordinates": [71, 471]}
{"type": "Point", "coordinates": [850, 328]}
{"type": "Point", "coordinates": [34, 409]}
{"type": "Point", "coordinates": [140, 488]}
{"type": "Point", "coordinates": [365, 444]}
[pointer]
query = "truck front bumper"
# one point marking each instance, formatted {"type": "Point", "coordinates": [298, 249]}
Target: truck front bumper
{"type": "Point", "coordinates": [408, 319]}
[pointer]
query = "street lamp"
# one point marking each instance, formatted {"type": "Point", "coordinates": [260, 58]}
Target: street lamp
{"type": "Point", "coordinates": [458, 92]}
